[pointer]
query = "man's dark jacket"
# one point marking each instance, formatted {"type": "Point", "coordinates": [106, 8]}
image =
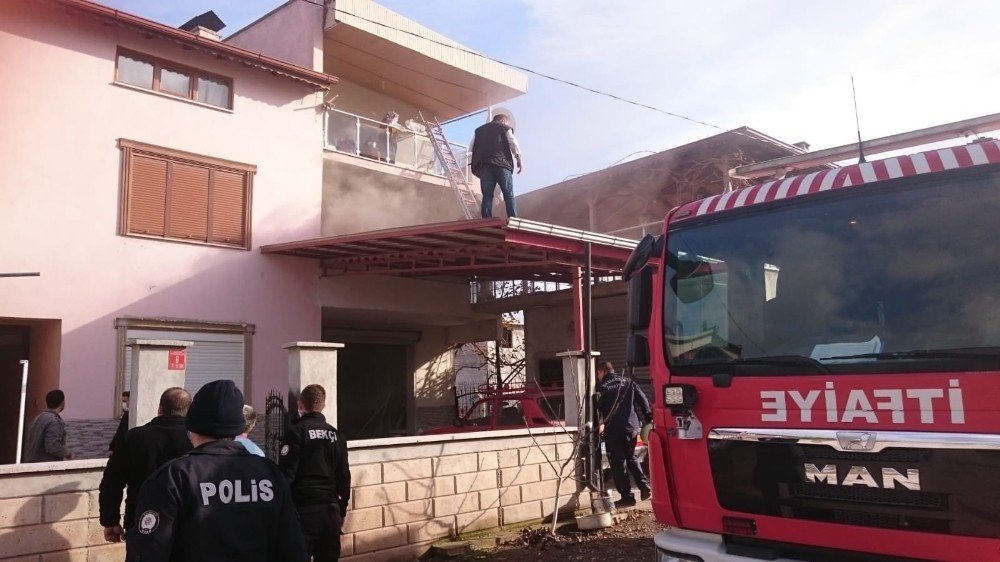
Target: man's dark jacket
{"type": "Point", "coordinates": [218, 503]}
{"type": "Point", "coordinates": [314, 460]}
{"type": "Point", "coordinates": [142, 451]}
{"type": "Point", "coordinates": [119, 436]}
{"type": "Point", "coordinates": [490, 146]}
{"type": "Point", "coordinates": [620, 397]}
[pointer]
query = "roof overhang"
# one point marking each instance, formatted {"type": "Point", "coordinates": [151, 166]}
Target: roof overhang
{"type": "Point", "coordinates": [371, 46]}
{"type": "Point", "coordinates": [484, 249]}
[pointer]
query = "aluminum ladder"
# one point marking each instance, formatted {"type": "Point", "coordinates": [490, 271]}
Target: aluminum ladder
{"type": "Point", "coordinates": [456, 176]}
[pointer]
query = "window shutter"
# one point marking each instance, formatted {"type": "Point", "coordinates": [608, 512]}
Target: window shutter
{"type": "Point", "coordinates": [188, 202]}
{"type": "Point", "coordinates": [229, 208]}
{"type": "Point", "coordinates": [147, 195]}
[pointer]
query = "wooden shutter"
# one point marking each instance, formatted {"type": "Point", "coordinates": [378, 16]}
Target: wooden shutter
{"type": "Point", "coordinates": [184, 196]}
{"type": "Point", "coordinates": [229, 207]}
{"type": "Point", "coordinates": [187, 205]}
{"type": "Point", "coordinates": [147, 195]}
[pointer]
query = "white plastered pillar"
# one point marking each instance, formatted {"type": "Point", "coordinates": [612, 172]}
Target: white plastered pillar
{"type": "Point", "coordinates": [313, 363]}
{"type": "Point", "coordinates": [156, 366]}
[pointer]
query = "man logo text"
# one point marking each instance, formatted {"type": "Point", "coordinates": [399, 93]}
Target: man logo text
{"type": "Point", "coordinates": [861, 476]}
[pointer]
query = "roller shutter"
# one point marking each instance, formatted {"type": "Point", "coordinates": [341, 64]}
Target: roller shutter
{"type": "Point", "coordinates": [213, 356]}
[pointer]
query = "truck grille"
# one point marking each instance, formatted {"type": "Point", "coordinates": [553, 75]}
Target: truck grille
{"type": "Point", "coordinates": [947, 491]}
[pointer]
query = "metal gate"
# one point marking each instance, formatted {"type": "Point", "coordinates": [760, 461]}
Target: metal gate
{"type": "Point", "coordinates": [275, 415]}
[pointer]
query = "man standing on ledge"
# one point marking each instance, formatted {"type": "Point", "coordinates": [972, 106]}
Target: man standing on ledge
{"type": "Point", "coordinates": [492, 147]}
{"type": "Point", "coordinates": [314, 459]}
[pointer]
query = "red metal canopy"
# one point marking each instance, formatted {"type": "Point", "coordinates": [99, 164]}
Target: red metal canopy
{"type": "Point", "coordinates": [485, 249]}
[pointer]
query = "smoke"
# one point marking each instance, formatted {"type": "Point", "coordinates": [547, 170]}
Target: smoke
{"type": "Point", "coordinates": [357, 199]}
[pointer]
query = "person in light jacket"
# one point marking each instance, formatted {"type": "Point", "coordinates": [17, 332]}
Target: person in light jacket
{"type": "Point", "coordinates": [47, 435]}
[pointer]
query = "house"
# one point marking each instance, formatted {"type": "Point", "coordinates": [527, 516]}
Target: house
{"type": "Point", "coordinates": [164, 183]}
{"type": "Point", "coordinates": [138, 179]}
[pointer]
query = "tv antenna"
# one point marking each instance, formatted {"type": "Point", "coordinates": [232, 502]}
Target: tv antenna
{"type": "Point", "coordinates": [857, 122]}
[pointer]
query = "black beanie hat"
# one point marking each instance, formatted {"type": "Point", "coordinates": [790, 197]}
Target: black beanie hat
{"type": "Point", "coordinates": [217, 410]}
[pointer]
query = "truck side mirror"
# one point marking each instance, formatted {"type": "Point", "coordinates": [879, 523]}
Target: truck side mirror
{"type": "Point", "coordinates": [640, 299]}
{"type": "Point", "coordinates": [637, 351]}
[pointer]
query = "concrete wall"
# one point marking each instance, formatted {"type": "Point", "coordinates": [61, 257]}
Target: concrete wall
{"type": "Point", "coordinates": [547, 331]}
{"type": "Point", "coordinates": [407, 496]}
{"type": "Point", "coordinates": [59, 186]}
{"type": "Point", "coordinates": [360, 195]}
{"type": "Point", "coordinates": [407, 493]}
{"type": "Point", "coordinates": [292, 32]}
{"type": "Point", "coordinates": [49, 511]}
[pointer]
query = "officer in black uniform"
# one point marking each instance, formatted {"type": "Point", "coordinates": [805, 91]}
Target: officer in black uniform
{"type": "Point", "coordinates": [142, 450]}
{"type": "Point", "coordinates": [314, 459]}
{"type": "Point", "coordinates": [619, 398]}
{"type": "Point", "coordinates": [218, 502]}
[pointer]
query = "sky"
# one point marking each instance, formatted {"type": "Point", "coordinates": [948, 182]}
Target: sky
{"type": "Point", "coordinates": [782, 67]}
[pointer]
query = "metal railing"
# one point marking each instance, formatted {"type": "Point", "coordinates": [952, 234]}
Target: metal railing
{"type": "Point", "coordinates": [490, 291]}
{"type": "Point", "coordinates": [352, 134]}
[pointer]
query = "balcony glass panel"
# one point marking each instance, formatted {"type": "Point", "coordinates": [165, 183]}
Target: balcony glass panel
{"type": "Point", "coordinates": [399, 145]}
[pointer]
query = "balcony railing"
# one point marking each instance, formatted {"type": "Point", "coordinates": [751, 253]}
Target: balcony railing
{"type": "Point", "coordinates": [352, 134]}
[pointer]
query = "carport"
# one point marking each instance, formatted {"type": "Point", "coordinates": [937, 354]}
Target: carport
{"type": "Point", "coordinates": [486, 267]}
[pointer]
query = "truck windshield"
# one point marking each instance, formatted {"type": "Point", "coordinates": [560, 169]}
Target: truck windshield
{"type": "Point", "coordinates": [897, 277]}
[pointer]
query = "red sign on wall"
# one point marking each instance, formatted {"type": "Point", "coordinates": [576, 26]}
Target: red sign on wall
{"type": "Point", "coordinates": [177, 360]}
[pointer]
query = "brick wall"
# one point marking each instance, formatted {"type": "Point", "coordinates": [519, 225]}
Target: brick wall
{"type": "Point", "coordinates": [407, 493]}
{"type": "Point", "coordinates": [89, 439]}
{"type": "Point", "coordinates": [48, 515]}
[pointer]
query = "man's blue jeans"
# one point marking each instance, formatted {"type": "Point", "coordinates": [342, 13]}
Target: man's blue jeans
{"type": "Point", "coordinates": [489, 176]}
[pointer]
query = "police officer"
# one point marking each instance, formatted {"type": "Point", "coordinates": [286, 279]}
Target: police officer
{"type": "Point", "coordinates": [217, 502]}
{"type": "Point", "coordinates": [620, 397]}
{"type": "Point", "coordinates": [314, 459]}
{"type": "Point", "coordinates": [142, 450]}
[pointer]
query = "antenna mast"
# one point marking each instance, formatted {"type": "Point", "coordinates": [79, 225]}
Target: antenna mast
{"type": "Point", "coordinates": [857, 122]}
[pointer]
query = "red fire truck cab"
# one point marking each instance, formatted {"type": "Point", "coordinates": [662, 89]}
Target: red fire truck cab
{"type": "Point", "coordinates": [825, 357]}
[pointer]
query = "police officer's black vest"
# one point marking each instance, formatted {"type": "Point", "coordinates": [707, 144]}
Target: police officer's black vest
{"type": "Point", "coordinates": [491, 147]}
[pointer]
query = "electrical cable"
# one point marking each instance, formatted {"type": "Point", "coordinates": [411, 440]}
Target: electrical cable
{"type": "Point", "coordinates": [527, 70]}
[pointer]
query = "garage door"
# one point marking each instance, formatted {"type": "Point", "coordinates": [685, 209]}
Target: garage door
{"type": "Point", "coordinates": [213, 356]}
{"type": "Point", "coordinates": [610, 335]}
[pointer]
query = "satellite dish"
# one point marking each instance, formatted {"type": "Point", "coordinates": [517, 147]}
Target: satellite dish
{"type": "Point", "coordinates": [510, 116]}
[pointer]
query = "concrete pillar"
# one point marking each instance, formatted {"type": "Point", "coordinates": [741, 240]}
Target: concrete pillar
{"type": "Point", "coordinates": [156, 366]}
{"type": "Point", "coordinates": [575, 383]}
{"type": "Point", "coordinates": [313, 363]}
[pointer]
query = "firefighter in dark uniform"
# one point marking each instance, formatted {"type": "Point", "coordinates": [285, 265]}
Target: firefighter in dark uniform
{"type": "Point", "coordinates": [314, 459]}
{"type": "Point", "coordinates": [142, 450]}
{"type": "Point", "coordinates": [218, 502]}
{"type": "Point", "coordinates": [619, 398]}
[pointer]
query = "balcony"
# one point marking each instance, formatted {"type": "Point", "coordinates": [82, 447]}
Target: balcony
{"type": "Point", "coordinates": [406, 147]}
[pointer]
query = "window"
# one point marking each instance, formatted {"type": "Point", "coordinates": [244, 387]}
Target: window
{"type": "Point", "coordinates": [151, 73]}
{"type": "Point", "coordinates": [181, 196]}
{"type": "Point", "coordinates": [899, 277]}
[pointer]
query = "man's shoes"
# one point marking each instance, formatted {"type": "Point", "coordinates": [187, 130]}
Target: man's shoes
{"type": "Point", "coordinates": [625, 502]}
{"type": "Point", "coordinates": [645, 494]}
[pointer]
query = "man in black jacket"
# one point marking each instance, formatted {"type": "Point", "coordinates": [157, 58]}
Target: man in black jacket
{"type": "Point", "coordinates": [217, 503]}
{"type": "Point", "coordinates": [619, 398]}
{"type": "Point", "coordinates": [142, 451]}
{"type": "Point", "coordinates": [492, 147]}
{"type": "Point", "coordinates": [119, 436]}
{"type": "Point", "coordinates": [314, 459]}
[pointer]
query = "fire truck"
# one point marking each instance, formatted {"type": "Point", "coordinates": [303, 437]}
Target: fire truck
{"type": "Point", "coordinates": [825, 356]}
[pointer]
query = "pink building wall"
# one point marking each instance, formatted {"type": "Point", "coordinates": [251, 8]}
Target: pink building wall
{"type": "Point", "coordinates": [291, 32]}
{"type": "Point", "coordinates": [60, 118]}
